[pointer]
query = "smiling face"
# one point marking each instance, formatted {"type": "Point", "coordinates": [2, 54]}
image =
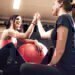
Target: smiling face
{"type": "Point", "coordinates": [18, 22]}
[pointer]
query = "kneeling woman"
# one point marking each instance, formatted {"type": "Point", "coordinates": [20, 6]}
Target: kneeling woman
{"type": "Point", "coordinates": [63, 58]}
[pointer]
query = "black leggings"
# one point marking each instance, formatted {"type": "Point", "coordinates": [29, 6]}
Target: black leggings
{"type": "Point", "coordinates": [5, 52]}
{"type": "Point", "coordinates": [38, 69]}
{"type": "Point", "coordinates": [9, 62]}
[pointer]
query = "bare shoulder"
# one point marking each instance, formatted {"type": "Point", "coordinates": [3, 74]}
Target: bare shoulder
{"type": "Point", "coordinates": [4, 34]}
{"type": "Point", "coordinates": [11, 31]}
{"type": "Point", "coordinates": [5, 31]}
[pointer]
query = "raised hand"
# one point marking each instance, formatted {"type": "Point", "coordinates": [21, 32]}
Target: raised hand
{"type": "Point", "coordinates": [38, 16]}
{"type": "Point", "coordinates": [34, 19]}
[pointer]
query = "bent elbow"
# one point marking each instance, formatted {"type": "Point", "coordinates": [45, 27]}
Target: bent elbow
{"type": "Point", "coordinates": [44, 36]}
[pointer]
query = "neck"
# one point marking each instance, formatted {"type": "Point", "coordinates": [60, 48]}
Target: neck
{"type": "Point", "coordinates": [61, 12]}
{"type": "Point", "coordinates": [18, 29]}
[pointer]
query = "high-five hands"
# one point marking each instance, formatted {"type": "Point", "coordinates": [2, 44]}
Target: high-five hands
{"type": "Point", "coordinates": [34, 21]}
{"type": "Point", "coordinates": [38, 16]}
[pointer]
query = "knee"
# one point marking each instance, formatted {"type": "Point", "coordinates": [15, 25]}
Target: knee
{"type": "Point", "coordinates": [27, 69]}
{"type": "Point", "coordinates": [24, 69]}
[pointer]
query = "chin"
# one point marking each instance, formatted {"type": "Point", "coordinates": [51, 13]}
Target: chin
{"type": "Point", "coordinates": [18, 28]}
{"type": "Point", "coordinates": [54, 14]}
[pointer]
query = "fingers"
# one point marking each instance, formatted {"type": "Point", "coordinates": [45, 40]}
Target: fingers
{"type": "Point", "coordinates": [36, 15]}
{"type": "Point", "coordinates": [39, 47]}
{"type": "Point", "coordinates": [36, 41]}
{"type": "Point", "coordinates": [34, 21]}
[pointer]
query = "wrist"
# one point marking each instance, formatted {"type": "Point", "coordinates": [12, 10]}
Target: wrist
{"type": "Point", "coordinates": [33, 23]}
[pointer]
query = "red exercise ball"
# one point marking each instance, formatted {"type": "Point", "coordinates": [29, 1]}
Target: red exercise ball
{"type": "Point", "coordinates": [30, 53]}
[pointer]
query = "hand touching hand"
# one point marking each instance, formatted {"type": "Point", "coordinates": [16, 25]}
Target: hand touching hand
{"type": "Point", "coordinates": [39, 47]}
{"type": "Point", "coordinates": [34, 19]}
{"type": "Point", "coordinates": [38, 16]}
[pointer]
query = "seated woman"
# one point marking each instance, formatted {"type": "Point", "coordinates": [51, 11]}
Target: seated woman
{"type": "Point", "coordinates": [8, 40]}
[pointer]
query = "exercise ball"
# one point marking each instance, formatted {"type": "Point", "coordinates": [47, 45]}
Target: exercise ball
{"type": "Point", "coordinates": [30, 53]}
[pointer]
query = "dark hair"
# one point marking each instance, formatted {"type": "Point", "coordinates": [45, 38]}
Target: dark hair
{"type": "Point", "coordinates": [73, 6]}
{"type": "Point", "coordinates": [73, 11]}
{"type": "Point", "coordinates": [11, 18]}
{"type": "Point", "coordinates": [66, 4]}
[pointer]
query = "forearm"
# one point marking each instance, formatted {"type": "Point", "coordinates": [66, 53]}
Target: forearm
{"type": "Point", "coordinates": [56, 57]}
{"type": "Point", "coordinates": [30, 30]}
{"type": "Point", "coordinates": [20, 35]}
{"type": "Point", "coordinates": [40, 28]}
{"type": "Point", "coordinates": [29, 41]}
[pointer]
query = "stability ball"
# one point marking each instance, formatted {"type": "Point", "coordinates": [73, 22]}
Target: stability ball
{"type": "Point", "coordinates": [30, 53]}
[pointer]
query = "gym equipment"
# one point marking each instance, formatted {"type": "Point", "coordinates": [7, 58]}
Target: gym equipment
{"type": "Point", "coordinates": [30, 53]}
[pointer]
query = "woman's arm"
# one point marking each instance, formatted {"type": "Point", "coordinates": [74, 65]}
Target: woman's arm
{"type": "Point", "coordinates": [4, 35]}
{"type": "Point", "coordinates": [31, 27]}
{"type": "Point", "coordinates": [25, 35]}
{"type": "Point", "coordinates": [62, 33]}
{"type": "Point", "coordinates": [39, 45]}
{"type": "Point", "coordinates": [44, 34]}
{"type": "Point", "coordinates": [16, 34]}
